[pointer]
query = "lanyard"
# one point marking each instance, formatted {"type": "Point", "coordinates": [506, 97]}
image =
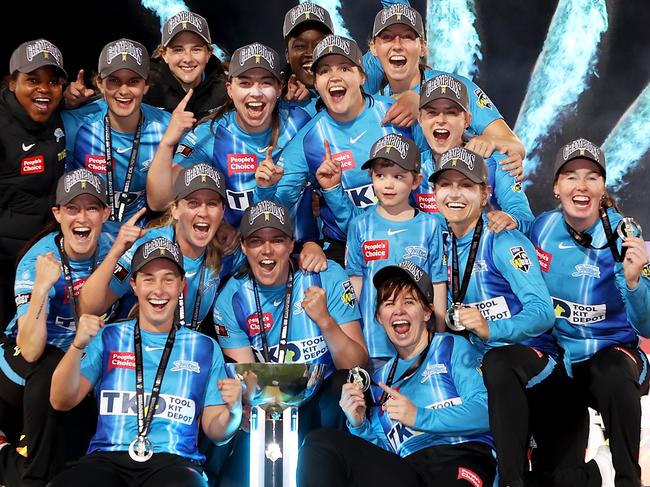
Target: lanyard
{"type": "Point", "coordinates": [117, 210]}
{"type": "Point", "coordinates": [584, 239]}
{"type": "Point", "coordinates": [67, 274]}
{"type": "Point", "coordinates": [458, 295]}
{"type": "Point", "coordinates": [408, 373]}
{"type": "Point", "coordinates": [144, 422]}
{"type": "Point", "coordinates": [284, 330]}
{"type": "Point", "coordinates": [194, 324]}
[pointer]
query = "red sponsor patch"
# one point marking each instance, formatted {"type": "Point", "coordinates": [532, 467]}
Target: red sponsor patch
{"type": "Point", "coordinates": [32, 165]}
{"type": "Point", "coordinates": [121, 360]}
{"type": "Point", "coordinates": [96, 163]}
{"type": "Point", "coordinates": [221, 330]}
{"type": "Point", "coordinates": [346, 158]}
{"type": "Point", "coordinates": [120, 272]}
{"type": "Point", "coordinates": [238, 163]}
{"type": "Point", "coordinates": [184, 150]}
{"type": "Point", "coordinates": [544, 259]}
{"type": "Point", "coordinates": [253, 323]}
{"type": "Point", "coordinates": [375, 250]}
{"type": "Point", "coordinates": [76, 289]}
{"type": "Point", "coordinates": [426, 202]}
{"type": "Point", "coordinates": [471, 477]}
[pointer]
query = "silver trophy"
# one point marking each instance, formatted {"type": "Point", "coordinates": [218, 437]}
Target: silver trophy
{"type": "Point", "coordinates": [275, 392]}
{"type": "Point", "coordinates": [452, 318]}
{"type": "Point", "coordinates": [627, 228]}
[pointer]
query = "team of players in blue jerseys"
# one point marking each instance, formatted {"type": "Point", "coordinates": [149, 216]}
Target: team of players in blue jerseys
{"type": "Point", "coordinates": [469, 307]}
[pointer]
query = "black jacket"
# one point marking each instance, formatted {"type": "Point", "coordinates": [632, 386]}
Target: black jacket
{"type": "Point", "coordinates": [32, 158]}
{"type": "Point", "coordinates": [166, 91]}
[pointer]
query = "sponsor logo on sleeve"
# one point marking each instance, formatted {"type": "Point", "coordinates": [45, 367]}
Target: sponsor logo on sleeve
{"type": "Point", "coordinates": [96, 163]}
{"type": "Point", "coordinates": [241, 163]}
{"type": "Point", "coordinates": [482, 99]}
{"type": "Point", "coordinates": [32, 165]}
{"type": "Point", "coordinates": [120, 272]}
{"type": "Point", "coordinates": [520, 259]}
{"type": "Point", "coordinates": [184, 150]}
{"type": "Point", "coordinates": [221, 330]}
{"type": "Point", "coordinates": [23, 298]}
{"type": "Point", "coordinates": [579, 314]}
{"type": "Point", "coordinates": [375, 250]}
{"type": "Point", "coordinates": [544, 259]}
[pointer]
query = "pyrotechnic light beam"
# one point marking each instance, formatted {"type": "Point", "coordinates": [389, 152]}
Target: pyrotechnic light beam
{"type": "Point", "coordinates": [334, 9]}
{"type": "Point", "coordinates": [562, 71]}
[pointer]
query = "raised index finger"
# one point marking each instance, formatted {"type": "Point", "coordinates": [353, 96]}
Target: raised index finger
{"type": "Point", "coordinates": [183, 103]}
{"type": "Point", "coordinates": [136, 216]}
{"type": "Point", "coordinates": [269, 152]}
{"type": "Point", "coordinates": [80, 77]}
{"type": "Point", "coordinates": [328, 151]}
{"type": "Point", "coordinates": [389, 390]}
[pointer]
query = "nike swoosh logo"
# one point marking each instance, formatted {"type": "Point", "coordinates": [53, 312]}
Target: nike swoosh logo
{"type": "Point", "coordinates": [562, 246]}
{"type": "Point", "coordinates": [354, 140]}
{"type": "Point", "coordinates": [147, 348]}
{"type": "Point", "coordinates": [395, 232]}
{"type": "Point", "coordinates": [122, 151]}
{"type": "Point", "coordinates": [190, 274]}
{"type": "Point", "coordinates": [277, 303]}
{"type": "Point", "coordinates": [27, 147]}
{"type": "Point", "coordinates": [262, 150]}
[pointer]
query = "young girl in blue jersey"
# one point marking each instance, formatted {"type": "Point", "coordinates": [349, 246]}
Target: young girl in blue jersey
{"type": "Point", "coordinates": [119, 141]}
{"type": "Point", "coordinates": [444, 116]}
{"type": "Point", "coordinates": [147, 437]}
{"type": "Point", "coordinates": [498, 297]}
{"type": "Point", "coordinates": [597, 272]}
{"type": "Point", "coordinates": [428, 423]}
{"type": "Point", "coordinates": [390, 232]}
{"type": "Point", "coordinates": [349, 122]}
{"type": "Point", "coordinates": [49, 277]}
{"type": "Point", "coordinates": [192, 221]}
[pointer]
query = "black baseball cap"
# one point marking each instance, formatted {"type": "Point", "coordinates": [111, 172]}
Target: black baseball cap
{"type": "Point", "coordinates": [444, 86]}
{"type": "Point", "coordinates": [31, 55]}
{"type": "Point", "coordinates": [78, 182]}
{"type": "Point", "coordinates": [398, 149]}
{"type": "Point", "coordinates": [464, 161]}
{"type": "Point", "coordinates": [255, 55]}
{"type": "Point", "coordinates": [124, 54]}
{"type": "Point", "coordinates": [199, 176]}
{"type": "Point", "coordinates": [157, 248]}
{"type": "Point", "coordinates": [579, 149]}
{"type": "Point", "coordinates": [398, 13]}
{"type": "Point", "coordinates": [306, 13]}
{"type": "Point", "coordinates": [408, 271]}
{"type": "Point", "coordinates": [185, 22]}
{"type": "Point", "coordinates": [265, 214]}
{"type": "Point", "coordinates": [333, 44]}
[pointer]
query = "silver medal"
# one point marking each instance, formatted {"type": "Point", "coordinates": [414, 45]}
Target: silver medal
{"type": "Point", "coordinates": [627, 228]}
{"type": "Point", "coordinates": [360, 377]}
{"type": "Point", "coordinates": [452, 318]}
{"type": "Point", "coordinates": [141, 449]}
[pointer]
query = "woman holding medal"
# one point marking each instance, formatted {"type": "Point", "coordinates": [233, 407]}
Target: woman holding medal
{"type": "Point", "coordinates": [147, 438]}
{"type": "Point", "coordinates": [596, 267]}
{"type": "Point", "coordinates": [429, 424]}
{"type": "Point", "coordinates": [191, 220]}
{"type": "Point", "coordinates": [50, 275]}
{"type": "Point", "coordinates": [499, 298]}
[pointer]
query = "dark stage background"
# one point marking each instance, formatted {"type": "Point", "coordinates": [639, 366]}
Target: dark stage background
{"type": "Point", "coordinates": [512, 34]}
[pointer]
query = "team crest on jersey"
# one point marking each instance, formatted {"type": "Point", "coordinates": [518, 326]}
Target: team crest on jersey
{"type": "Point", "coordinates": [480, 266]}
{"type": "Point", "coordinates": [348, 297]}
{"type": "Point", "coordinates": [59, 133]}
{"type": "Point", "coordinates": [188, 365]}
{"type": "Point", "coordinates": [415, 251]}
{"type": "Point", "coordinates": [483, 100]}
{"type": "Point", "coordinates": [516, 187]}
{"type": "Point", "coordinates": [431, 370]}
{"type": "Point", "coordinates": [645, 272]}
{"type": "Point", "coordinates": [520, 259]}
{"type": "Point", "coordinates": [587, 270]}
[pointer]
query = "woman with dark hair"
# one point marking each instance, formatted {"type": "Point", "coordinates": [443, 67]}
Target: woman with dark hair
{"type": "Point", "coordinates": [595, 265]}
{"type": "Point", "coordinates": [32, 153]}
{"type": "Point", "coordinates": [49, 278]}
{"type": "Point", "coordinates": [428, 424]}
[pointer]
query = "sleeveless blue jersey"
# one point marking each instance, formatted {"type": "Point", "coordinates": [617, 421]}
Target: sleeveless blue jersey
{"type": "Point", "coordinates": [507, 286]}
{"type": "Point", "coordinates": [449, 394]}
{"type": "Point", "coordinates": [60, 321]}
{"type": "Point", "coordinates": [350, 143]}
{"type": "Point", "coordinates": [237, 323]}
{"type": "Point", "coordinates": [89, 151]}
{"type": "Point", "coordinates": [594, 309]}
{"type": "Point", "coordinates": [189, 384]}
{"type": "Point", "coordinates": [375, 242]}
{"type": "Point", "coordinates": [237, 154]}
{"type": "Point", "coordinates": [208, 287]}
{"type": "Point", "coordinates": [507, 194]}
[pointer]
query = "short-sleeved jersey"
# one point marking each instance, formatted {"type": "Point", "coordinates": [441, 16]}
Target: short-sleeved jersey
{"type": "Point", "coordinates": [89, 151]}
{"type": "Point", "coordinates": [60, 321]}
{"type": "Point", "coordinates": [236, 317]}
{"type": "Point", "coordinates": [237, 153]}
{"type": "Point", "coordinates": [375, 242]}
{"type": "Point", "coordinates": [447, 389]}
{"type": "Point", "coordinates": [594, 308]}
{"type": "Point", "coordinates": [189, 384]}
{"type": "Point", "coordinates": [350, 143]}
{"type": "Point", "coordinates": [507, 193]}
{"type": "Point", "coordinates": [120, 281]}
{"type": "Point", "coordinates": [506, 285]}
